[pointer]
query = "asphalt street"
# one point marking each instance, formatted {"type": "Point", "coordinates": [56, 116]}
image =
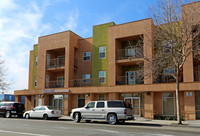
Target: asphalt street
{"type": "Point", "coordinates": [66, 127]}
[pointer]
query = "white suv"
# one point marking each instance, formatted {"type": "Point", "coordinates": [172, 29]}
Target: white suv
{"type": "Point", "coordinates": [111, 111]}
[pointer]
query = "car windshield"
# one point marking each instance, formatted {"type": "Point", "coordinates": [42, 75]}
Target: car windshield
{"type": "Point", "coordinates": [116, 104]}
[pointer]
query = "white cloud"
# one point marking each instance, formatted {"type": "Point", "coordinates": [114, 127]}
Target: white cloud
{"type": "Point", "coordinates": [71, 23]}
{"type": "Point", "coordinates": [18, 31]}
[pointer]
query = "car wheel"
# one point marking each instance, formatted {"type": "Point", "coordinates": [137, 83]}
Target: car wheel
{"type": "Point", "coordinates": [27, 116]}
{"type": "Point", "coordinates": [8, 114]}
{"type": "Point", "coordinates": [45, 116]}
{"type": "Point", "coordinates": [87, 121]}
{"type": "Point", "coordinates": [112, 119]}
{"type": "Point", "coordinates": [77, 117]}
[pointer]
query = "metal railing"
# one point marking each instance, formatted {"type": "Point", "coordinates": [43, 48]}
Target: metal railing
{"type": "Point", "coordinates": [87, 82]}
{"type": "Point", "coordinates": [165, 79]}
{"type": "Point", "coordinates": [130, 53]}
{"type": "Point", "coordinates": [125, 80]}
{"type": "Point", "coordinates": [55, 84]}
{"type": "Point", "coordinates": [56, 63]}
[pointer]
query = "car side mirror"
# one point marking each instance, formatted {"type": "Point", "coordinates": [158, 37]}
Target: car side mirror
{"type": "Point", "coordinates": [86, 107]}
{"type": "Point", "coordinates": [33, 110]}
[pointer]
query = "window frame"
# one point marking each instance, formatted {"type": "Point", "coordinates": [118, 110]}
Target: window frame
{"type": "Point", "coordinates": [167, 46]}
{"type": "Point", "coordinates": [102, 77]}
{"type": "Point", "coordinates": [85, 79]}
{"type": "Point", "coordinates": [36, 61]}
{"type": "Point", "coordinates": [163, 103]}
{"type": "Point", "coordinates": [104, 51]}
{"type": "Point", "coordinates": [85, 56]}
{"type": "Point", "coordinates": [35, 82]}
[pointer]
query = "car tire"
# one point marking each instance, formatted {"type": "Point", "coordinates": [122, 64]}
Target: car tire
{"type": "Point", "coordinates": [27, 116]}
{"type": "Point", "coordinates": [8, 114]}
{"type": "Point", "coordinates": [87, 121]}
{"type": "Point", "coordinates": [112, 119]}
{"type": "Point", "coordinates": [77, 117]}
{"type": "Point", "coordinates": [45, 117]}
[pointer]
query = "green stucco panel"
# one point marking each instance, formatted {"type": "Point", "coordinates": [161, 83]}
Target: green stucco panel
{"type": "Point", "coordinates": [100, 38]}
{"type": "Point", "coordinates": [34, 72]}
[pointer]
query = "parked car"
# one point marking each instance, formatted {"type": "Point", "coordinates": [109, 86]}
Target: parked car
{"type": "Point", "coordinates": [7, 109]}
{"type": "Point", "coordinates": [44, 112]}
{"type": "Point", "coordinates": [110, 111]}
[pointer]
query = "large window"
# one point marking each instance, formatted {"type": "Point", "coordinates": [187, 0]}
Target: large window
{"type": "Point", "coordinates": [86, 78]}
{"type": "Point", "coordinates": [102, 77]}
{"type": "Point", "coordinates": [81, 100]}
{"type": "Point", "coordinates": [168, 104]}
{"type": "Point", "coordinates": [86, 56]}
{"type": "Point", "coordinates": [102, 52]}
{"type": "Point", "coordinates": [130, 51]}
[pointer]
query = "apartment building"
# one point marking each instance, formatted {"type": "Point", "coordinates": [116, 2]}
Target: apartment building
{"type": "Point", "coordinates": [67, 71]}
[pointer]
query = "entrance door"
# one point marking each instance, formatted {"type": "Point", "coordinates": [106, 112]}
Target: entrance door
{"type": "Point", "coordinates": [197, 104]}
{"type": "Point", "coordinates": [58, 103]}
{"type": "Point", "coordinates": [130, 77]}
{"type": "Point", "coordinates": [134, 102]}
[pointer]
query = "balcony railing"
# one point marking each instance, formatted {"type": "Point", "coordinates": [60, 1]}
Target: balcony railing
{"type": "Point", "coordinates": [55, 63]}
{"type": "Point", "coordinates": [197, 76]}
{"type": "Point", "coordinates": [55, 84]}
{"type": "Point", "coordinates": [129, 53]}
{"type": "Point", "coordinates": [87, 82]}
{"type": "Point", "coordinates": [165, 79]}
{"type": "Point", "coordinates": [127, 80]}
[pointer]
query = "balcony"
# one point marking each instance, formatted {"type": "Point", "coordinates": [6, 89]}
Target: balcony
{"type": "Point", "coordinates": [165, 79]}
{"type": "Point", "coordinates": [128, 80]}
{"type": "Point", "coordinates": [54, 84]}
{"type": "Point", "coordinates": [56, 63]}
{"type": "Point", "coordinates": [87, 82]}
{"type": "Point", "coordinates": [130, 55]}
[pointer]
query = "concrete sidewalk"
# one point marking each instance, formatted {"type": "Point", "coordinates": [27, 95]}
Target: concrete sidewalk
{"type": "Point", "coordinates": [149, 122]}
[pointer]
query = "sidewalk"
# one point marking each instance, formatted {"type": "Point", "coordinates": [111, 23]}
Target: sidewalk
{"type": "Point", "coordinates": [149, 122]}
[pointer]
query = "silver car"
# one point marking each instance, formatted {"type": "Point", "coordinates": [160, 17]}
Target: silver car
{"type": "Point", "coordinates": [110, 111]}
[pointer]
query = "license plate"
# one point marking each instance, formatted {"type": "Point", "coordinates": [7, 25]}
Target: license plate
{"type": "Point", "coordinates": [13, 111]}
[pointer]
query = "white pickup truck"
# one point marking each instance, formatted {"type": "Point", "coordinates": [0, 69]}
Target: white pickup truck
{"type": "Point", "coordinates": [111, 111]}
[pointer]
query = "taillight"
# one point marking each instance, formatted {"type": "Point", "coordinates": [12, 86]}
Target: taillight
{"type": "Point", "coordinates": [125, 111]}
{"type": "Point", "coordinates": [13, 107]}
{"type": "Point", "coordinates": [52, 112]}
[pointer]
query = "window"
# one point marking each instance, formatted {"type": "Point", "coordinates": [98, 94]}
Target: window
{"type": "Point", "coordinates": [114, 104]}
{"type": "Point", "coordinates": [81, 100]}
{"type": "Point", "coordinates": [102, 77]}
{"type": "Point", "coordinates": [37, 108]}
{"type": "Point", "coordinates": [167, 46]}
{"type": "Point", "coordinates": [61, 61]}
{"type": "Point", "coordinates": [169, 71]}
{"type": "Point", "coordinates": [101, 97]}
{"type": "Point", "coordinates": [91, 105]}
{"type": "Point", "coordinates": [130, 51]}
{"type": "Point", "coordinates": [86, 78]}
{"type": "Point", "coordinates": [36, 60]}
{"type": "Point", "coordinates": [35, 81]}
{"type": "Point", "coordinates": [86, 56]}
{"type": "Point", "coordinates": [130, 77]}
{"type": "Point", "coordinates": [60, 81]}
{"type": "Point", "coordinates": [102, 52]}
{"type": "Point", "coordinates": [42, 108]}
{"type": "Point", "coordinates": [100, 104]}
{"type": "Point", "coordinates": [168, 104]}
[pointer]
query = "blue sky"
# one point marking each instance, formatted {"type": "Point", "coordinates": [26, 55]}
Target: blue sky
{"type": "Point", "coordinates": [23, 21]}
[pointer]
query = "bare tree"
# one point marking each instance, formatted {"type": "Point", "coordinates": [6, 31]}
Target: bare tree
{"type": "Point", "coordinates": [4, 85]}
{"type": "Point", "coordinates": [176, 38]}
